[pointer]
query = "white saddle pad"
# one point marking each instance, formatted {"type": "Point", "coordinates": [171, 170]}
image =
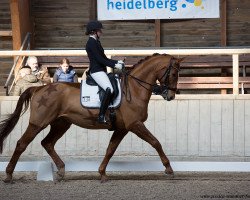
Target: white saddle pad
{"type": "Point", "coordinates": [90, 96]}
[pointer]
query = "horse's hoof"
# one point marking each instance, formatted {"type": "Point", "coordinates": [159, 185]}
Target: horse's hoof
{"type": "Point", "coordinates": [169, 175]}
{"type": "Point", "coordinates": [59, 178]}
{"type": "Point", "coordinates": [8, 179]}
{"type": "Point", "coordinates": [169, 171]}
{"type": "Point", "coordinates": [104, 179]}
{"type": "Point", "coordinates": [61, 172]}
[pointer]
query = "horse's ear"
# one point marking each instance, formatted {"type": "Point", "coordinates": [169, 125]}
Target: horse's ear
{"type": "Point", "coordinates": [179, 60]}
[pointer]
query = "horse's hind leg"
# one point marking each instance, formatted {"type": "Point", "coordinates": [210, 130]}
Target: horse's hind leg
{"type": "Point", "coordinates": [22, 144]}
{"type": "Point", "coordinates": [141, 131]}
{"type": "Point", "coordinates": [115, 140]}
{"type": "Point", "coordinates": [57, 130]}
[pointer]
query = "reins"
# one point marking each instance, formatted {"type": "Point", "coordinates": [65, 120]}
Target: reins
{"type": "Point", "coordinates": [139, 81]}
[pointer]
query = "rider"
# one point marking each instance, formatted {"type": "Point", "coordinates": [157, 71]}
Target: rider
{"type": "Point", "coordinates": [98, 62]}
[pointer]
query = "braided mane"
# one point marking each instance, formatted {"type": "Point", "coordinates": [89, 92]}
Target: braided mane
{"type": "Point", "coordinates": [144, 59]}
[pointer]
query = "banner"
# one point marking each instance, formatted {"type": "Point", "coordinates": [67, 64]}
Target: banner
{"type": "Point", "coordinates": [156, 9]}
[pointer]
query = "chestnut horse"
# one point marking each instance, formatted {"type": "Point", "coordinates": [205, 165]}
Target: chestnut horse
{"type": "Point", "coordinates": [58, 105]}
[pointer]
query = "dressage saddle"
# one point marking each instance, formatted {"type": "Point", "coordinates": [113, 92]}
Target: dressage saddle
{"type": "Point", "coordinates": [113, 79]}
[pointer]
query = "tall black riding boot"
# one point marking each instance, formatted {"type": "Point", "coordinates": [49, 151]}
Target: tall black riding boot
{"type": "Point", "coordinates": [104, 106]}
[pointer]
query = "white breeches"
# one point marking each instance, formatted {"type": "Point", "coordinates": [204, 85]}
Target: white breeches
{"type": "Point", "coordinates": [101, 78]}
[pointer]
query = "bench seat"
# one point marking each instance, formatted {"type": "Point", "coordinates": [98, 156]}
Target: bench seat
{"type": "Point", "coordinates": [211, 82]}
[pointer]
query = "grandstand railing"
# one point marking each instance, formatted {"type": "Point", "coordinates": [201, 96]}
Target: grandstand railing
{"type": "Point", "coordinates": [234, 52]}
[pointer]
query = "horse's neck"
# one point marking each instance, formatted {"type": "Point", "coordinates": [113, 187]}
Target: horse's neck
{"type": "Point", "coordinates": [145, 72]}
{"type": "Point", "coordinates": [143, 77]}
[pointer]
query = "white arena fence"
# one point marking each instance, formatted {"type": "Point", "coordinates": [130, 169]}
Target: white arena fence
{"type": "Point", "coordinates": [192, 127]}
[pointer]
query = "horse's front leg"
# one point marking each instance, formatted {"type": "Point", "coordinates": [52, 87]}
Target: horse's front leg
{"type": "Point", "coordinates": [141, 131]}
{"type": "Point", "coordinates": [115, 140]}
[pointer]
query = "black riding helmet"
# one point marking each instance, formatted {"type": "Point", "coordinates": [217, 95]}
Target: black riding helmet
{"type": "Point", "coordinates": [93, 26]}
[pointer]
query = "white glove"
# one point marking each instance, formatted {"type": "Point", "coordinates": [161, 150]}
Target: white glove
{"type": "Point", "coordinates": [119, 66]}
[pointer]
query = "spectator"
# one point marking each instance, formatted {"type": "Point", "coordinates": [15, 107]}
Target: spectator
{"type": "Point", "coordinates": [25, 81]}
{"type": "Point", "coordinates": [39, 71]}
{"type": "Point", "coordinates": [65, 73]}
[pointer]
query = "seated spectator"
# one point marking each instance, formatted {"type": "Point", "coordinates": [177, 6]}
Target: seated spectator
{"type": "Point", "coordinates": [25, 81]}
{"type": "Point", "coordinates": [65, 73]}
{"type": "Point", "coordinates": [39, 71]}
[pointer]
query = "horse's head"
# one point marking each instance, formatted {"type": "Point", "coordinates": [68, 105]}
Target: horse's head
{"type": "Point", "coordinates": [168, 78]}
{"type": "Point", "coordinates": [166, 72]}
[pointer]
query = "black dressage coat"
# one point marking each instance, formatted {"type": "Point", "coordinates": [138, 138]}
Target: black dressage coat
{"type": "Point", "coordinates": [98, 59]}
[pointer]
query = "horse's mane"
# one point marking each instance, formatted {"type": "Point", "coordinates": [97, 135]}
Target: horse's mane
{"type": "Point", "coordinates": [146, 58]}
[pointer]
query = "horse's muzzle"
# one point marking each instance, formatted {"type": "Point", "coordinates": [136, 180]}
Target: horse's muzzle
{"type": "Point", "coordinates": [169, 95]}
{"type": "Point", "coordinates": [170, 98]}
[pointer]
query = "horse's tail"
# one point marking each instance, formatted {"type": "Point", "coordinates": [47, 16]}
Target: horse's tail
{"type": "Point", "coordinates": [8, 124]}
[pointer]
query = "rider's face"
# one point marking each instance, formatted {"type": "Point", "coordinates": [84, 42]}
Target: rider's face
{"type": "Point", "coordinates": [99, 33]}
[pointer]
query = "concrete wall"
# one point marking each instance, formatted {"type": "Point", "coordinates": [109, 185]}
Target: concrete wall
{"type": "Point", "coordinates": [192, 127]}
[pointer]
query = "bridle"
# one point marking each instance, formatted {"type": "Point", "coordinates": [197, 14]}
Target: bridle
{"type": "Point", "coordinates": [163, 88]}
{"type": "Point", "coordinates": [155, 88]}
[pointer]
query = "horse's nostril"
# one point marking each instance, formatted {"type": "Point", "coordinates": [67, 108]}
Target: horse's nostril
{"type": "Point", "coordinates": [170, 98]}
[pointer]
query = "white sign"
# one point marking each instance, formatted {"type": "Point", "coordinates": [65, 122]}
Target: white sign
{"type": "Point", "coordinates": [156, 9]}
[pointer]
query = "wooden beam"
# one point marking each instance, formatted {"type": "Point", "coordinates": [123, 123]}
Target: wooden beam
{"type": "Point", "coordinates": [207, 80]}
{"type": "Point", "coordinates": [129, 52]}
{"type": "Point", "coordinates": [16, 25]}
{"type": "Point", "coordinates": [157, 32]}
{"type": "Point", "coordinates": [20, 21]}
{"type": "Point", "coordinates": [223, 21]}
{"type": "Point", "coordinates": [190, 86]}
{"type": "Point", "coordinates": [235, 74]}
{"type": "Point", "coordinates": [5, 33]}
{"type": "Point", "coordinates": [21, 24]}
{"type": "Point", "coordinates": [92, 9]}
